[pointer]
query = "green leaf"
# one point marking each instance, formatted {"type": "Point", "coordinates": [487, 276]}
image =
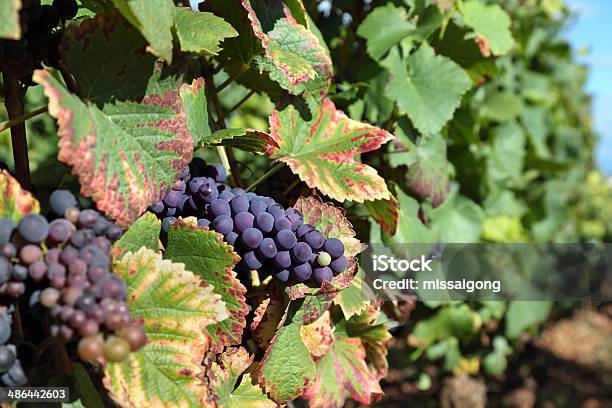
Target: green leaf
{"type": "Point", "coordinates": [523, 314]}
{"type": "Point", "coordinates": [454, 320]}
{"type": "Point", "coordinates": [501, 106]}
{"type": "Point", "coordinates": [201, 32]}
{"type": "Point", "coordinates": [353, 300]}
{"type": "Point", "coordinates": [287, 366]}
{"type": "Point", "coordinates": [227, 369]}
{"type": "Point", "coordinates": [127, 153]}
{"type": "Point", "coordinates": [143, 233]}
{"type": "Point", "coordinates": [249, 140]}
{"type": "Point", "coordinates": [491, 23]}
{"type": "Point", "coordinates": [15, 202]}
{"type": "Point", "coordinates": [385, 212]}
{"type": "Point", "coordinates": [154, 19]}
{"type": "Point", "coordinates": [10, 28]}
{"type": "Point", "coordinates": [506, 157]}
{"type": "Point", "coordinates": [428, 174]}
{"type": "Point", "coordinates": [426, 86]}
{"type": "Point", "coordinates": [204, 253]}
{"type": "Point", "coordinates": [384, 27]}
{"type": "Point", "coordinates": [175, 306]}
{"type": "Point", "coordinates": [410, 229]}
{"type": "Point", "coordinates": [321, 150]}
{"type": "Point", "coordinates": [459, 220]}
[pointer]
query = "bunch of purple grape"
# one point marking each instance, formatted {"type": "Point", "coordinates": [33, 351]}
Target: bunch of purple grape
{"type": "Point", "coordinates": [40, 40]}
{"type": "Point", "coordinates": [11, 371]}
{"type": "Point", "coordinates": [269, 238]}
{"type": "Point", "coordinates": [67, 262]}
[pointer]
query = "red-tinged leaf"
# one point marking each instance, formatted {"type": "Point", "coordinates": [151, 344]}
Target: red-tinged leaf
{"type": "Point", "coordinates": [385, 212]}
{"type": "Point", "coordinates": [143, 233]}
{"type": "Point", "coordinates": [15, 202]}
{"type": "Point", "coordinates": [428, 176]}
{"type": "Point", "coordinates": [318, 336]}
{"type": "Point", "coordinates": [287, 366]}
{"type": "Point", "coordinates": [293, 55]}
{"type": "Point", "coordinates": [206, 254]}
{"type": "Point", "coordinates": [321, 150]}
{"type": "Point", "coordinates": [268, 315]}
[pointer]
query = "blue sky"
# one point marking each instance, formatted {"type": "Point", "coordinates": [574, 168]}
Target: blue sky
{"type": "Point", "coordinates": [593, 29]}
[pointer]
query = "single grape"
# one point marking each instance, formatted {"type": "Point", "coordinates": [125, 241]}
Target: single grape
{"type": "Point", "coordinates": [296, 221]}
{"type": "Point", "coordinates": [158, 207]}
{"type": "Point", "coordinates": [243, 221]}
{"type": "Point", "coordinates": [6, 230]}
{"type": "Point", "coordinates": [231, 238]}
{"type": "Point", "coordinates": [88, 218]}
{"type": "Point", "coordinates": [61, 200]}
{"type": "Point", "coordinates": [282, 276]}
{"type": "Point", "coordinates": [195, 184]}
{"type": "Point", "coordinates": [265, 222]}
{"type": "Point", "coordinates": [7, 359]}
{"type": "Point", "coordinates": [323, 259]}
{"type": "Point", "coordinates": [19, 272]}
{"type": "Point", "coordinates": [282, 223]}
{"type": "Point", "coordinates": [282, 259]}
{"type": "Point", "coordinates": [223, 224]}
{"type": "Point", "coordinates": [71, 295]}
{"type": "Point", "coordinates": [29, 254]}
{"type": "Point", "coordinates": [339, 265]}
{"type": "Point", "coordinates": [15, 289]}
{"type": "Point", "coordinates": [33, 228]}
{"type": "Point", "coordinates": [208, 191]}
{"type": "Point", "coordinates": [251, 261]}
{"type": "Point", "coordinates": [267, 248]}
{"type": "Point", "coordinates": [101, 226]}
{"type": "Point", "coordinates": [203, 222]}
{"type": "Point", "coordinates": [8, 250]}
{"type": "Point", "coordinates": [173, 198]}
{"type": "Point", "coordinates": [301, 252]}
{"type": "Point", "coordinates": [239, 191]}
{"type": "Point", "coordinates": [239, 204]}
{"type": "Point", "coordinates": [257, 206]}
{"type": "Point", "coordinates": [220, 207]}
{"type": "Point", "coordinates": [315, 239]}
{"type": "Point", "coordinates": [250, 195]}
{"type": "Point", "coordinates": [60, 231]}
{"type": "Point", "coordinates": [226, 196]}
{"type": "Point", "coordinates": [49, 297]}
{"type": "Point", "coordinates": [251, 238]}
{"type": "Point", "coordinates": [90, 348]}
{"type": "Point", "coordinates": [72, 214]}
{"type": "Point", "coordinates": [322, 274]}
{"type": "Point", "coordinates": [303, 230]}
{"type": "Point", "coordinates": [37, 271]}
{"type": "Point", "coordinates": [114, 232]}
{"type": "Point", "coordinates": [135, 336]}
{"type": "Point", "coordinates": [69, 255]}
{"type": "Point", "coordinates": [276, 210]}
{"type": "Point", "coordinates": [302, 272]}
{"type": "Point", "coordinates": [52, 255]}
{"type": "Point", "coordinates": [89, 328]}
{"type": "Point", "coordinates": [112, 286]}
{"type": "Point", "coordinates": [334, 247]}
{"type": "Point", "coordinates": [165, 224]}
{"type": "Point", "coordinates": [286, 239]}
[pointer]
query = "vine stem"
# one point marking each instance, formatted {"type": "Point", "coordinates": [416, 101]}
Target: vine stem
{"type": "Point", "coordinates": [263, 178]}
{"type": "Point", "coordinates": [230, 80]}
{"type": "Point", "coordinates": [14, 107]}
{"type": "Point", "coordinates": [22, 118]}
{"type": "Point", "coordinates": [240, 102]}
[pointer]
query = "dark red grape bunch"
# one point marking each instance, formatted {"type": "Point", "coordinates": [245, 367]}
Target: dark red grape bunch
{"type": "Point", "coordinates": [11, 371]}
{"type": "Point", "coordinates": [269, 238]}
{"type": "Point", "coordinates": [41, 27]}
{"type": "Point", "coordinates": [66, 264]}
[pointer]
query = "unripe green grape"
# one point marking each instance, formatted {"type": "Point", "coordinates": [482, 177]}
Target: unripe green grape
{"type": "Point", "coordinates": [324, 259]}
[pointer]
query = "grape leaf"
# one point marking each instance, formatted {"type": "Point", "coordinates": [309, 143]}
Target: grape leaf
{"type": "Point", "coordinates": [353, 300]}
{"type": "Point", "coordinates": [330, 220]}
{"type": "Point", "coordinates": [410, 229]}
{"type": "Point", "coordinates": [192, 35]}
{"type": "Point", "coordinates": [204, 253]}
{"type": "Point", "coordinates": [9, 19]}
{"type": "Point", "coordinates": [321, 151]}
{"type": "Point", "coordinates": [293, 56]}
{"type": "Point", "coordinates": [154, 19]}
{"type": "Point", "coordinates": [385, 212]}
{"type": "Point", "coordinates": [318, 336]}
{"type": "Point", "coordinates": [227, 369]}
{"type": "Point", "coordinates": [384, 27]}
{"type": "Point", "coordinates": [249, 140]}
{"type": "Point", "coordinates": [175, 306]}
{"type": "Point", "coordinates": [428, 88]}
{"type": "Point", "coordinates": [143, 233]}
{"type": "Point", "coordinates": [15, 202]}
{"type": "Point", "coordinates": [458, 219]}
{"type": "Point", "coordinates": [287, 366]}
{"type": "Point", "coordinates": [522, 314]}
{"type": "Point", "coordinates": [491, 23]}
{"type": "Point", "coordinates": [428, 175]}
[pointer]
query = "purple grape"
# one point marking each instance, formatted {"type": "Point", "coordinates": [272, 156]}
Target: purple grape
{"type": "Point", "coordinates": [8, 250]}
{"type": "Point", "coordinates": [250, 195]}
{"type": "Point", "coordinates": [251, 261]}
{"type": "Point", "coordinates": [219, 172]}
{"type": "Point", "coordinates": [231, 238]}
{"type": "Point", "coordinates": [301, 252]}
{"type": "Point", "coordinates": [37, 271]}
{"type": "Point", "coordinates": [195, 184]}
{"type": "Point", "coordinates": [165, 225]}
{"type": "Point", "coordinates": [88, 218]}
{"type": "Point", "coordinates": [257, 206]}
{"type": "Point", "coordinates": [33, 228]}
{"type": "Point", "coordinates": [243, 221]}
{"type": "Point", "coordinates": [173, 198]}
{"type": "Point", "coordinates": [339, 265]}
{"type": "Point", "coordinates": [276, 210]}
{"type": "Point", "coordinates": [226, 196]}
{"type": "Point", "coordinates": [6, 230]}
{"type": "Point", "coordinates": [60, 231]}
{"type": "Point", "coordinates": [114, 232]}
{"type": "Point", "coordinates": [315, 239]}
{"type": "Point", "coordinates": [322, 274]}
{"type": "Point", "coordinates": [302, 272]}
{"type": "Point", "coordinates": [286, 239]}
{"type": "Point", "coordinates": [251, 238]}
{"type": "Point", "coordinates": [282, 223]}
{"type": "Point", "coordinates": [267, 248]}
{"type": "Point", "coordinates": [265, 222]}
{"type": "Point", "coordinates": [282, 259]}
{"type": "Point", "coordinates": [304, 229]}
{"type": "Point", "coordinates": [100, 227]}
{"type": "Point", "coordinates": [203, 222]}
{"type": "Point", "coordinates": [158, 207]}
{"type": "Point", "coordinates": [282, 276]}
{"type": "Point", "coordinates": [208, 192]}
{"type": "Point", "coordinates": [334, 247]}
{"type": "Point", "coordinates": [179, 185]}
{"type": "Point", "coordinates": [19, 272]}
{"type": "Point", "coordinates": [220, 207]}
{"type": "Point", "coordinates": [68, 255]}
{"type": "Point", "coordinates": [170, 212]}
{"type": "Point", "coordinates": [239, 204]}
{"type": "Point", "coordinates": [223, 224]}
{"type": "Point", "coordinates": [296, 221]}
{"type": "Point", "coordinates": [61, 200]}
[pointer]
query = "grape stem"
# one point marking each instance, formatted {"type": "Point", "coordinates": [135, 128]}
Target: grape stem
{"type": "Point", "coordinates": [263, 178]}
{"type": "Point", "coordinates": [230, 80]}
{"type": "Point", "coordinates": [240, 102]}
{"type": "Point", "coordinates": [14, 107]}
{"type": "Point", "coordinates": [22, 118]}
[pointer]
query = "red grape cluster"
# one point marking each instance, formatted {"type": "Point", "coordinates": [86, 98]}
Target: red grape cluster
{"type": "Point", "coordinates": [66, 266]}
{"type": "Point", "coordinates": [269, 238]}
{"type": "Point", "coordinates": [11, 371]}
{"type": "Point", "coordinates": [41, 37]}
